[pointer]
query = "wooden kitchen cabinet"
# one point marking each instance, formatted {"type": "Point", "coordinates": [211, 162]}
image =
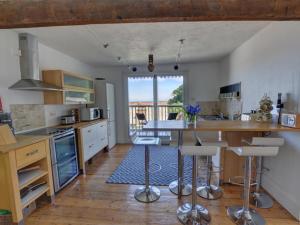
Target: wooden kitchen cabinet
{"type": "Point", "coordinates": [91, 139]}
{"type": "Point", "coordinates": [76, 89]}
{"type": "Point", "coordinates": [232, 164]}
{"type": "Point", "coordinates": [25, 153]}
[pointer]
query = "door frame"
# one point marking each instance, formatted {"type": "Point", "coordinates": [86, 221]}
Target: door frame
{"type": "Point", "coordinates": [145, 74]}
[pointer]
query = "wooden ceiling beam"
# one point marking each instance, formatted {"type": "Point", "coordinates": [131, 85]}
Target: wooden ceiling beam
{"type": "Point", "coordinates": [38, 13]}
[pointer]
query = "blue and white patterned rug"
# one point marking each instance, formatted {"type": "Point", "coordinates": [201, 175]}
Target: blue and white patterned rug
{"type": "Point", "coordinates": [163, 167]}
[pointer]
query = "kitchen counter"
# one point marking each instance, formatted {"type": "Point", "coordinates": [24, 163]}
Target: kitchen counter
{"type": "Point", "coordinates": [217, 125]}
{"type": "Point", "coordinates": [22, 141]}
{"type": "Point", "coordinates": [82, 124]}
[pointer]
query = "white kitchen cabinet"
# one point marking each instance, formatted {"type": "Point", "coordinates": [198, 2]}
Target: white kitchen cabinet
{"type": "Point", "coordinates": [92, 140]}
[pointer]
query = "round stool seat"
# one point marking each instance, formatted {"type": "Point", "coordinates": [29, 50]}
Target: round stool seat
{"type": "Point", "coordinates": [264, 141]}
{"type": "Point", "coordinates": [255, 150]}
{"type": "Point", "coordinates": [146, 141]}
{"type": "Point", "coordinates": [199, 150]}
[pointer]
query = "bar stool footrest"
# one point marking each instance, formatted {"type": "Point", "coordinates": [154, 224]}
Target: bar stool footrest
{"type": "Point", "coordinates": [239, 181]}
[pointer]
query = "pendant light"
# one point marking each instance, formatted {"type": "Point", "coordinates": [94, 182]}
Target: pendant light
{"type": "Point", "coordinates": [150, 63]}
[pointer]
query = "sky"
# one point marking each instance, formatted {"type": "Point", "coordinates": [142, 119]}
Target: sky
{"type": "Point", "coordinates": [141, 89]}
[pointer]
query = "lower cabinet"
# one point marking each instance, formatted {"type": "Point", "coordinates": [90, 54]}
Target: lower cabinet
{"type": "Point", "coordinates": [92, 139]}
{"type": "Point", "coordinates": [25, 176]}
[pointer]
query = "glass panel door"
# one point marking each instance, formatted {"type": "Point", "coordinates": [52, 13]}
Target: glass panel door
{"type": "Point", "coordinates": [67, 171]}
{"type": "Point", "coordinates": [153, 97]}
{"type": "Point", "coordinates": [65, 148]}
{"type": "Point", "coordinates": [140, 101]}
{"type": "Point", "coordinates": [74, 81]}
{"type": "Point", "coordinates": [169, 97]}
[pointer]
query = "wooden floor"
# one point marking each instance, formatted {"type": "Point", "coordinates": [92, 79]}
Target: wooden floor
{"type": "Point", "coordinates": [89, 200]}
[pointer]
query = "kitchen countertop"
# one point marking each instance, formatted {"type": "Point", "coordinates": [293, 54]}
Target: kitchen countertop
{"type": "Point", "coordinates": [22, 141]}
{"type": "Point", "coordinates": [83, 124]}
{"type": "Point", "coordinates": [217, 125]}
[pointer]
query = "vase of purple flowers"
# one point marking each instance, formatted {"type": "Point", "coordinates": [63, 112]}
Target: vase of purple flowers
{"type": "Point", "coordinates": [191, 113]}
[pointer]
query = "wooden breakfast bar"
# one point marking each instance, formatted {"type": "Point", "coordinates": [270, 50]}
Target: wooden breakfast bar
{"type": "Point", "coordinates": [233, 131]}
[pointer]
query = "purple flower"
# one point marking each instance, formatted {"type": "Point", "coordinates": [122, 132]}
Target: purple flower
{"type": "Point", "coordinates": [191, 110]}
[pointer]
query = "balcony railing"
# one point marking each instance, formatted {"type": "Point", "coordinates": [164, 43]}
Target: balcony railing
{"type": "Point", "coordinates": [148, 111]}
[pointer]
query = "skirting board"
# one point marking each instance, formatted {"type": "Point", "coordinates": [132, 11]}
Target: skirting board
{"type": "Point", "coordinates": [284, 198]}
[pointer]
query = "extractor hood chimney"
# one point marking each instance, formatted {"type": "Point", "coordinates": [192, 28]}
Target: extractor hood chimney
{"type": "Point", "coordinates": [29, 66]}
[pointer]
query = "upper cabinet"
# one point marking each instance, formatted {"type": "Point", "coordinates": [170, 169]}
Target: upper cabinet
{"type": "Point", "coordinates": [77, 89]}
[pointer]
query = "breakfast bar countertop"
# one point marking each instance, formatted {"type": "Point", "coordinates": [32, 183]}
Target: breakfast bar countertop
{"type": "Point", "coordinates": [216, 125]}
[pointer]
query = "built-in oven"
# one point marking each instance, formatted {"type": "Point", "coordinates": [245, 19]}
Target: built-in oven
{"type": "Point", "coordinates": [64, 159]}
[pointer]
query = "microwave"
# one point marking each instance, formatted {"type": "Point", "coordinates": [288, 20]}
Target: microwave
{"type": "Point", "coordinates": [87, 114]}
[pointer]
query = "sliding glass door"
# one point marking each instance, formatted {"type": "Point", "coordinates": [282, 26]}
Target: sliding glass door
{"type": "Point", "coordinates": [153, 97]}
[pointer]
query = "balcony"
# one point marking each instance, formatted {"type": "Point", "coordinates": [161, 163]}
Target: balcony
{"type": "Point", "coordinates": [148, 110]}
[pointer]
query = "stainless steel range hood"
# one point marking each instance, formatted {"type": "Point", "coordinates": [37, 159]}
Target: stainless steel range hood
{"type": "Point", "coordinates": [29, 66]}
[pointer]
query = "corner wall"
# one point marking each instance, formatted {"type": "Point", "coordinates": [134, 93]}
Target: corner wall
{"type": "Point", "coordinates": [49, 59]}
{"type": "Point", "coordinates": [269, 63]}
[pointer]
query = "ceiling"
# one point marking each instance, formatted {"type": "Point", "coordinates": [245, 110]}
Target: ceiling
{"type": "Point", "coordinates": [132, 42]}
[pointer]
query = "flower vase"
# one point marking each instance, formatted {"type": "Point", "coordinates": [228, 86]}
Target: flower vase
{"type": "Point", "coordinates": [192, 121]}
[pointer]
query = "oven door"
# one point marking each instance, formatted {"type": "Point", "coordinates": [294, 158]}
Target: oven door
{"type": "Point", "coordinates": [64, 148]}
{"type": "Point", "coordinates": [65, 173]}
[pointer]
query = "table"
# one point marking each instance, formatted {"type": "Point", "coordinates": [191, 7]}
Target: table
{"type": "Point", "coordinates": [208, 125]}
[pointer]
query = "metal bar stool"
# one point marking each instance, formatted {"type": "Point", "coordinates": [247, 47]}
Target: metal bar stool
{"type": "Point", "coordinates": [244, 215]}
{"type": "Point", "coordinates": [146, 193]}
{"type": "Point", "coordinates": [178, 187]}
{"type": "Point", "coordinates": [258, 198]}
{"type": "Point", "coordinates": [210, 191]}
{"type": "Point", "coordinates": [195, 213]}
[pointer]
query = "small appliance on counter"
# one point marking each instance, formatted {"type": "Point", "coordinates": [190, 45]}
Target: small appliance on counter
{"type": "Point", "coordinates": [5, 118]}
{"type": "Point", "coordinates": [290, 120]}
{"type": "Point", "coordinates": [88, 114]}
{"type": "Point", "coordinates": [76, 112]}
{"type": "Point", "coordinates": [67, 120]}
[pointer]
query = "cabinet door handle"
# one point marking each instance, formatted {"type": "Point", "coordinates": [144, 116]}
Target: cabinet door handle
{"type": "Point", "coordinates": [32, 152]}
{"type": "Point", "coordinates": [89, 131]}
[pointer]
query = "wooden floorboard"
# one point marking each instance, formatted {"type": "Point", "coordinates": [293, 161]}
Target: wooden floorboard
{"type": "Point", "coordinates": [90, 201]}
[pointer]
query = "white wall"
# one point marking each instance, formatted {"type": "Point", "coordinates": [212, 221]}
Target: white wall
{"type": "Point", "coordinates": [270, 63]}
{"type": "Point", "coordinates": [48, 59]}
{"type": "Point", "coordinates": [202, 84]}
{"type": "Point", "coordinates": [10, 72]}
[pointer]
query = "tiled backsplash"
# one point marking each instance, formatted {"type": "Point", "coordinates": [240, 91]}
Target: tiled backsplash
{"type": "Point", "coordinates": [231, 107]}
{"type": "Point", "coordinates": [28, 117]}
{"type": "Point", "coordinates": [228, 107]}
{"type": "Point", "coordinates": [209, 107]}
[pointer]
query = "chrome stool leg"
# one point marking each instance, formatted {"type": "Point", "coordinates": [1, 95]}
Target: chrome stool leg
{"type": "Point", "coordinates": [243, 215]}
{"type": "Point", "coordinates": [178, 187]}
{"type": "Point", "coordinates": [193, 213]}
{"type": "Point", "coordinates": [147, 193]}
{"type": "Point", "coordinates": [209, 191]}
{"type": "Point", "coordinates": [260, 199]}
